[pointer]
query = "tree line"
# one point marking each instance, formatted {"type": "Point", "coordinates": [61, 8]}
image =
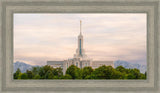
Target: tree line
{"type": "Point", "coordinates": [73, 72]}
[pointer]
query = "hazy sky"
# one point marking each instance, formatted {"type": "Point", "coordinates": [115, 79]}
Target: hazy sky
{"type": "Point", "coordinates": [42, 37]}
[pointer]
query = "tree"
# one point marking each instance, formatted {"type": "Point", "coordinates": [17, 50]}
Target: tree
{"type": "Point", "coordinates": [86, 71]}
{"type": "Point", "coordinates": [103, 72]}
{"type": "Point", "coordinates": [74, 71]}
{"type": "Point", "coordinates": [121, 69]}
{"type": "Point", "coordinates": [35, 70]}
{"type": "Point", "coordinates": [16, 74]}
{"type": "Point", "coordinates": [88, 77]}
{"type": "Point", "coordinates": [47, 68]}
{"type": "Point", "coordinates": [145, 74]}
{"type": "Point", "coordinates": [142, 76]}
{"type": "Point", "coordinates": [67, 77]}
{"type": "Point", "coordinates": [37, 77]}
{"type": "Point", "coordinates": [57, 71]}
{"type": "Point", "coordinates": [43, 71]}
{"type": "Point", "coordinates": [134, 74]}
{"type": "Point", "coordinates": [130, 76]}
{"type": "Point", "coordinates": [23, 76]}
{"type": "Point", "coordinates": [118, 75]}
{"type": "Point", "coordinates": [29, 74]}
{"type": "Point", "coordinates": [49, 75]}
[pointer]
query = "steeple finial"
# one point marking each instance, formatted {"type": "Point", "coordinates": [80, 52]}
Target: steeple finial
{"type": "Point", "coordinates": [80, 27]}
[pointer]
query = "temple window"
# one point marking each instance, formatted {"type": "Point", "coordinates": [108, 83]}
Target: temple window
{"type": "Point", "coordinates": [77, 64]}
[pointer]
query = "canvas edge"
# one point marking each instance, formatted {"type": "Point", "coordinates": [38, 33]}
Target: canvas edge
{"type": "Point", "coordinates": [156, 65]}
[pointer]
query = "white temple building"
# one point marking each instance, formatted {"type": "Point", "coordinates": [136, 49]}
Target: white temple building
{"type": "Point", "coordinates": [80, 59]}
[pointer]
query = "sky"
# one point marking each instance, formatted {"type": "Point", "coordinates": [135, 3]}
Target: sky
{"type": "Point", "coordinates": [43, 37]}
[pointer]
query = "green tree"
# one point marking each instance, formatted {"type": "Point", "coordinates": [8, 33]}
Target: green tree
{"type": "Point", "coordinates": [67, 77]}
{"type": "Point", "coordinates": [74, 71]}
{"type": "Point", "coordinates": [117, 75]}
{"type": "Point", "coordinates": [130, 76]}
{"type": "Point", "coordinates": [145, 74]}
{"type": "Point", "coordinates": [35, 70]}
{"type": "Point", "coordinates": [37, 77]}
{"type": "Point", "coordinates": [142, 76]}
{"type": "Point", "coordinates": [49, 75]}
{"type": "Point", "coordinates": [103, 72]}
{"type": "Point", "coordinates": [47, 68]}
{"type": "Point", "coordinates": [57, 71]}
{"type": "Point", "coordinates": [134, 74]}
{"type": "Point", "coordinates": [86, 71]}
{"type": "Point", "coordinates": [56, 77]}
{"type": "Point", "coordinates": [121, 69]}
{"type": "Point", "coordinates": [88, 77]}
{"type": "Point", "coordinates": [29, 74]}
{"type": "Point", "coordinates": [16, 74]}
{"type": "Point", "coordinates": [43, 71]}
{"type": "Point", "coordinates": [23, 76]}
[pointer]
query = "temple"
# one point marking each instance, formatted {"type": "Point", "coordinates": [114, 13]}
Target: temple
{"type": "Point", "coordinates": [79, 59]}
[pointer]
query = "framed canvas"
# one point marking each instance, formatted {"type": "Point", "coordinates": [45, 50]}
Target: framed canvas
{"type": "Point", "coordinates": [8, 8]}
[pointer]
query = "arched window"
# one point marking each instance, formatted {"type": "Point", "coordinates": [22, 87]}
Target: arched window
{"type": "Point", "coordinates": [67, 65]}
{"type": "Point", "coordinates": [77, 64]}
{"type": "Point", "coordinates": [85, 64]}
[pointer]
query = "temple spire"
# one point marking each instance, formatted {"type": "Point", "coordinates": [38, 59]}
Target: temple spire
{"type": "Point", "coordinates": [80, 27]}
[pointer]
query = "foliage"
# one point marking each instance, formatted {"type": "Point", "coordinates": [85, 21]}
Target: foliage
{"type": "Point", "coordinates": [86, 72]}
{"type": "Point", "coordinates": [67, 76]}
{"type": "Point", "coordinates": [73, 72]}
{"type": "Point", "coordinates": [29, 74]}
{"type": "Point", "coordinates": [35, 70]}
{"type": "Point", "coordinates": [23, 76]}
{"type": "Point", "coordinates": [121, 69]}
{"type": "Point", "coordinates": [17, 73]}
{"type": "Point", "coordinates": [37, 77]}
{"type": "Point", "coordinates": [49, 75]}
{"type": "Point", "coordinates": [57, 71]}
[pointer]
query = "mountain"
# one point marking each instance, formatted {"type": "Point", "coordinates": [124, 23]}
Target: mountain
{"type": "Point", "coordinates": [142, 68]}
{"type": "Point", "coordinates": [22, 66]}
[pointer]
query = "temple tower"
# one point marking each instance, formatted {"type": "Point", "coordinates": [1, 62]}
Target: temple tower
{"type": "Point", "coordinates": [80, 53]}
{"type": "Point", "coordinates": [80, 42]}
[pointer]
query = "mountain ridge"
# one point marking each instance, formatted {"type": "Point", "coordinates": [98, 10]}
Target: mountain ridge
{"type": "Point", "coordinates": [142, 68]}
{"type": "Point", "coordinates": [24, 66]}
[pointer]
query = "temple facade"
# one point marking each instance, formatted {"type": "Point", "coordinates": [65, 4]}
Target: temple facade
{"type": "Point", "coordinates": [79, 59]}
